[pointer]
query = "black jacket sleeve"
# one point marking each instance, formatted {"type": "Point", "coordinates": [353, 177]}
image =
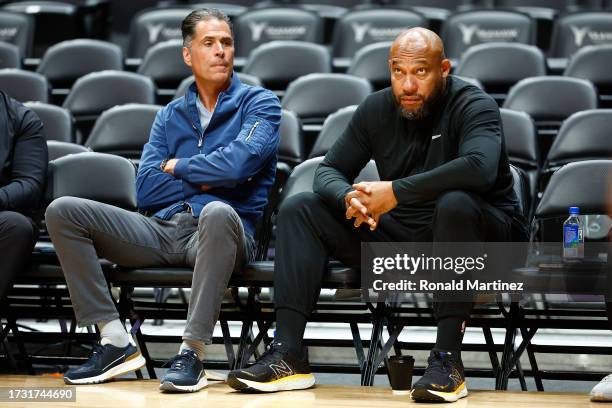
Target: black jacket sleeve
{"type": "Point", "coordinates": [29, 160]}
{"type": "Point", "coordinates": [343, 162]}
{"type": "Point", "coordinates": [474, 169]}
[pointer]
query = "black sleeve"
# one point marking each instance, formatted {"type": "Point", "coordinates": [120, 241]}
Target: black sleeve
{"type": "Point", "coordinates": [29, 167]}
{"type": "Point", "coordinates": [343, 162]}
{"type": "Point", "coordinates": [474, 169]}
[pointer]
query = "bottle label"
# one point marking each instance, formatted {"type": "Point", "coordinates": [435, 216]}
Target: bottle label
{"type": "Point", "coordinates": [571, 236]}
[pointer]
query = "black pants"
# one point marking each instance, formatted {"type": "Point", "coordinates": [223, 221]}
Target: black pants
{"type": "Point", "coordinates": [17, 238]}
{"type": "Point", "coordinates": [309, 232]}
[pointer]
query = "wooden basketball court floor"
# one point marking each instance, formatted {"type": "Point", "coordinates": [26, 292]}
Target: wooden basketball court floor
{"type": "Point", "coordinates": [144, 393]}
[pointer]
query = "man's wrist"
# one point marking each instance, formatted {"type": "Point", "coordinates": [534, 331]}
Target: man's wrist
{"type": "Point", "coordinates": [162, 166]}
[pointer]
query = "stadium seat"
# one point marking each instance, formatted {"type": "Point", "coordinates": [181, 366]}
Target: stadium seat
{"type": "Point", "coordinates": [291, 146]}
{"type": "Point", "coordinates": [371, 63]}
{"type": "Point", "coordinates": [549, 101]}
{"type": "Point", "coordinates": [244, 78]}
{"type": "Point", "coordinates": [59, 149]}
{"type": "Point", "coordinates": [591, 63]}
{"type": "Point", "coordinates": [277, 63]}
{"type": "Point", "coordinates": [65, 62]}
{"type": "Point", "coordinates": [17, 29]}
{"type": "Point", "coordinates": [55, 21]}
{"type": "Point", "coordinates": [24, 85]}
{"type": "Point", "coordinates": [465, 29]}
{"type": "Point", "coordinates": [498, 66]}
{"type": "Point", "coordinates": [58, 122]}
{"type": "Point", "coordinates": [333, 127]}
{"type": "Point", "coordinates": [520, 135]}
{"type": "Point", "coordinates": [163, 63]}
{"type": "Point", "coordinates": [359, 28]}
{"type": "Point", "coordinates": [9, 56]}
{"type": "Point", "coordinates": [231, 10]}
{"type": "Point", "coordinates": [152, 26]}
{"type": "Point", "coordinates": [583, 136]}
{"type": "Point", "coordinates": [260, 26]}
{"type": "Point", "coordinates": [577, 30]}
{"type": "Point", "coordinates": [123, 130]}
{"type": "Point", "coordinates": [96, 92]}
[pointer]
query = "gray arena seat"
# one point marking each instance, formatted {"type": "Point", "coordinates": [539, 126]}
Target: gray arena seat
{"type": "Point", "coordinates": [24, 85]}
{"type": "Point", "coordinates": [58, 122]}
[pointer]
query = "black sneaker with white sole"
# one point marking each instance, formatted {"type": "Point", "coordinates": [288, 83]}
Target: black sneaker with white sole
{"type": "Point", "coordinates": [443, 380]}
{"type": "Point", "coordinates": [276, 370]}
{"type": "Point", "coordinates": [186, 374]}
{"type": "Point", "coordinates": [106, 361]}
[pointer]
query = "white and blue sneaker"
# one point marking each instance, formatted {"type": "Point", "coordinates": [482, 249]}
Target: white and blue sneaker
{"type": "Point", "coordinates": [603, 390]}
{"type": "Point", "coordinates": [106, 361]}
{"type": "Point", "coordinates": [186, 374]}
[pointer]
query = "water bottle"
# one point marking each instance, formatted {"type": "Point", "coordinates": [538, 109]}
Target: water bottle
{"type": "Point", "coordinates": [573, 235]}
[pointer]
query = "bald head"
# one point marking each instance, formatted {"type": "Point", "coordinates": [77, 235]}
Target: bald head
{"type": "Point", "coordinates": [418, 71]}
{"type": "Point", "coordinates": [418, 39]}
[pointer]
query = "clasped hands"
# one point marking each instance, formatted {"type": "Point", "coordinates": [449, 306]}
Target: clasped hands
{"type": "Point", "coordinates": [169, 168]}
{"type": "Point", "coordinates": [368, 201]}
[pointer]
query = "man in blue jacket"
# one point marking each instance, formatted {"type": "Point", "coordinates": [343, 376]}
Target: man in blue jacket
{"type": "Point", "coordinates": [204, 175]}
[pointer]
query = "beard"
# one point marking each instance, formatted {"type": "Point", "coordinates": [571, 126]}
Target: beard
{"type": "Point", "coordinates": [426, 106]}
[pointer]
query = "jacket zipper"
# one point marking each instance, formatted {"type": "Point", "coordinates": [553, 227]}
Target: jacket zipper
{"type": "Point", "coordinates": [252, 130]}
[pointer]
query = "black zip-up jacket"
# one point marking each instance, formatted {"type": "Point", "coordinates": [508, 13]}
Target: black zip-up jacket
{"type": "Point", "coordinates": [23, 157]}
{"type": "Point", "coordinates": [459, 146]}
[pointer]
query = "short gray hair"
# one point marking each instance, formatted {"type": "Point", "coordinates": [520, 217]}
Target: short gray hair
{"type": "Point", "coordinates": [189, 23]}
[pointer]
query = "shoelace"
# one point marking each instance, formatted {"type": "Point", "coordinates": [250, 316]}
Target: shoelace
{"type": "Point", "coordinates": [437, 363]}
{"type": "Point", "coordinates": [273, 353]}
{"type": "Point", "coordinates": [179, 361]}
{"type": "Point", "coordinates": [96, 352]}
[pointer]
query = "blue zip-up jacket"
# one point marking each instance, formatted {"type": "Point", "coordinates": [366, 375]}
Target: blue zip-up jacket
{"type": "Point", "coordinates": [236, 155]}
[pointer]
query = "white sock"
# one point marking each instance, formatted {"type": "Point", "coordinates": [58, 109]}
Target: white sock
{"type": "Point", "coordinates": [193, 345]}
{"type": "Point", "coordinates": [113, 333]}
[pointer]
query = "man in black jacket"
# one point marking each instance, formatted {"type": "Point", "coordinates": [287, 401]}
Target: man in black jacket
{"type": "Point", "coordinates": [23, 167]}
{"type": "Point", "coordinates": [439, 150]}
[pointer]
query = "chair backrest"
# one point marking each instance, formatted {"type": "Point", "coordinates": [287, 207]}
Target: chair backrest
{"type": "Point", "coordinates": [244, 78]}
{"type": "Point", "coordinates": [291, 146]}
{"type": "Point", "coordinates": [318, 95]}
{"type": "Point", "coordinates": [520, 186]}
{"type": "Point", "coordinates": [574, 31]}
{"type": "Point", "coordinates": [302, 177]}
{"type": "Point", "coordinates": [592, 63]}
{"type": "Point", "coordinates": [521, 138]}
{"type": "Point", "coordinates": [551, 98]}
{"type": "Point", "coordinates": [500, 65]}
{"type": "Point", "coordinates": [583, 136]}
{"type": "Point", "coordinates": [152, 26]}
{"type": "Point", "coordinates": [59, 149]}
{"type": "Point", "coordinates": [279, 62]}
{"type": "Point", "coordinates": [24, 85]}
{"type": "Point", "coordinates": [333, 127]}
{"type": "Point", "coordinates": [371, 63]}
{"type": "Point", "coordinates": [58, 122]}
{"type": "Point", "coordinates": [467, 28]}
{"type": "Point", "coordinates": [259, 26]}
{"type": "Point", "coordinates": [17, 29]}
{"type": "Point", "coordinates": [359, 28]}
{"type": "Point", "coordinates": [583, 184]}
{"type": "Point", "coordinates": [64, 62]}
{"type": "Point", "coordinates": [123, 130]}
{"type": "Point", "coordinates": [100, 177]}
{"type": "Point", "coordinates": [163, 63]}
{"type": "Point", "coordinates": [94, 93]}
{"type": "Point", "coordinates": [9, 55]}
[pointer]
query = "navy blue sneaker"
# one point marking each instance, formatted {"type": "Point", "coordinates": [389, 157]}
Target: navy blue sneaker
{"type": "Point", "coordinates": [106, 361]}
{"type": "Point", "coordinates": [443, 380]}
{"type": "Point", "coordinates": [186, 374]}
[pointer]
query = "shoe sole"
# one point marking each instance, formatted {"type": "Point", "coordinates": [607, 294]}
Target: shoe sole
{"type": "Point", "coordinates": [131, 365]}
{"type": "Point", "coordinates": [422, 394]}
{"type": "Point", "coordinates": [292, 382]}
{"type": "Point", "coordinates": [170, 386]}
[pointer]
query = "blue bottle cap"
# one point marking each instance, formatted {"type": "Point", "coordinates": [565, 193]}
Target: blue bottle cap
{"type": "Point", "coordinates": [574, 210]}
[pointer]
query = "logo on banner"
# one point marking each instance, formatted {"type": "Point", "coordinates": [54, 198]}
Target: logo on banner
{"type": "Point", "coordinates": [468, 32]}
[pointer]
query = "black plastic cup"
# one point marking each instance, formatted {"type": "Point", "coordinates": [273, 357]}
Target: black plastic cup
{"type": "Point", "coordinates": [400, 374]}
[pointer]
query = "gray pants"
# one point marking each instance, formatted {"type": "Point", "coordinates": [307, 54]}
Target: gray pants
{"type": "Point", "coordinates": [215, 245]}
